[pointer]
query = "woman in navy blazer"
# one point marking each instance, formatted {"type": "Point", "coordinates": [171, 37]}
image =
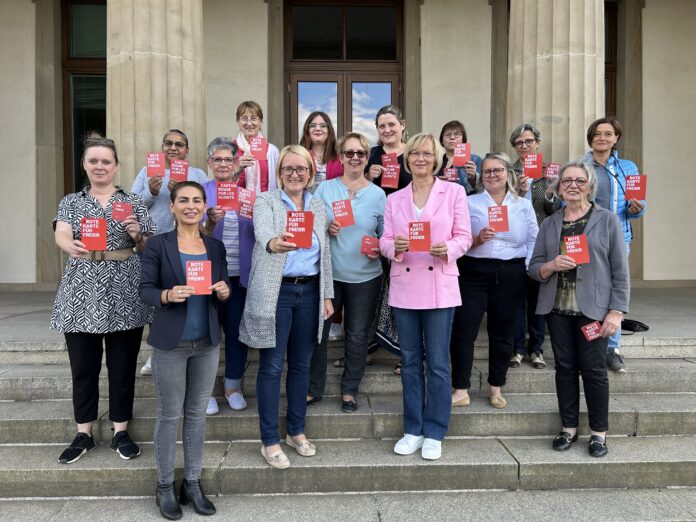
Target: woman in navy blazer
{"type": "Point", "coordinates": [185, 335]}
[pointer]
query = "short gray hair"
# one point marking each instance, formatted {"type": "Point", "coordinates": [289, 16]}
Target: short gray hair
{"type": "Point", "coordinates": [524, 127]}
{"type": "Point", "coordinates": [222, 142]}
{"type": "Point", "coordinates": [589, 172]}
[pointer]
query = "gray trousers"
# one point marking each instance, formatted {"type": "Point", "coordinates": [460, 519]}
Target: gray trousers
{"type": "Point", "coordinates": [184, 378]}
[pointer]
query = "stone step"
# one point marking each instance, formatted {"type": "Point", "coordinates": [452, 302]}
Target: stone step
{"type": "Point", "coordinates": [363, 466]}
{"type": "Point", "coordinates": [379, 416]}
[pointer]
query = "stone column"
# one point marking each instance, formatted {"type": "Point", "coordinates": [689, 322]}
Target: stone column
{"type": "Point", "coordinates": [154, 78]}
{"type": "Point", "coordinates": [556, 71]}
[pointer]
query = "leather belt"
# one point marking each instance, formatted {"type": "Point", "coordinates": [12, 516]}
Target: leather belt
{"type": "Point", "coordinates": [300, 280]}
{"type": "Point", "coordinates": [108, 255]}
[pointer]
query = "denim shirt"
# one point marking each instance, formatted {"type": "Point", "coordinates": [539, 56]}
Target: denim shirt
{"type": "Point", "coordinates": [303, 261]}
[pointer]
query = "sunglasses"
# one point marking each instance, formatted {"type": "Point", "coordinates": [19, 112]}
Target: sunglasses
{"type": "Point", "coordinates": [350, 154]}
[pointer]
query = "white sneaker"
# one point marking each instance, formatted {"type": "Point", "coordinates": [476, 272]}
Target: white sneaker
{"type": "Point", "coordinates": [147, 367]}
{"type": "Point", "coordinates": [236, 401]}
{"type": "Point", "coordinates": [432, 449]}
{"type": "Point", "coordinates": [212, 407]}
{"type": "Point", "coordinates": [335, 333]}
{"type": "Point", "coordinates": [408, 444]}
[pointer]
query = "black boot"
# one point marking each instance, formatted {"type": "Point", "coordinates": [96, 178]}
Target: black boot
{"type": "Point", "coordinates": [165, 497]}
{"type": "Point", "coordinates": [191, 491]}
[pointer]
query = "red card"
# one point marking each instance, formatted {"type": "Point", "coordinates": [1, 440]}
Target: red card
{"type": "Point", "coordinates": [343, 212]}
{"type": "Point", "coordinates": [179, 170]}
{"type": "Point", "coordinates": [576, 247]}
{"type": "Point", "coordinates": [390, 175]}
{"type": "Point", "coordinates": [552, 171]}
{"type": "Point", "coordinates": [389, 159]}
{"type": "Point", "coordinates": [419, 236]}
{"type": "Point", "coordinates": [591, 331]}
{"type": "Point", "coordinates": [498, 218]}
{"type": "Point", "coordinates": [154, 164]}
{"type": "Point", "coordinates": [462, 154]}
{"type": "Point", "coordinates": [635, 186]}
{"type": "Point", "coordinates": [246, 202]}
{"type": "Point", "coordinates": [300, 223]}
{"type": "Point", "coordinates": [532, 165]}
{"type": "Point", "coordinates": [451, 174]}
{"type": "Point", "coordinates": [367, 244]}
{"type": "Point", "coordinates": [258, 147]}
{"type": "Point", "coordinates": [198, 275]}
{"type": "Point", "coordinates": [227, 195]}
{"type": "Point", "coordinates": [120, 210]}
{"type": "Point", "coordinates": [93, 233]}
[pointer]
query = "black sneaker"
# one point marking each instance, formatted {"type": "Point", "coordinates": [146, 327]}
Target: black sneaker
{"type": "Point", "coordinates": [615, 362]}
{"type": "Point", "coordinates": [124, 446]}
{"type": "Point", "coordinates": [81, 444]}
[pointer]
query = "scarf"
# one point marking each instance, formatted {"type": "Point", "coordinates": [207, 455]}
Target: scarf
{"type": "Point", "coordinates": [253, 174]}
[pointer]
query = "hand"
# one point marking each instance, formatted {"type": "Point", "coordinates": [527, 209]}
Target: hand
{"type": "Point", "coordinates": [611, 324]}
{"type": "Point", "coordinates": [375, 171]}
{"type": "Point", "coordinates": [374, 255]}
{"type": "Point", "coordinates": [401, 244]}
{"type": "Point", "coordinates": [280, 244]}
{"type": "Point", "coordinates": [76, 248]}
{"type": "Point", "coordinates": [328, 309]}
{"type": "Point", "coordinates": [155, 184]}
{"type": "Point", "coordinates": [170, 185]}
{"type": "Point", "coordinates": [439, 250]}
{"type": "Point", "coordinates": [334, 227]}
{"type": "Point", "coordinates": [246, 161]}
{"type": "Point", "coordinates": [180, 293]}
{"type": "Point", "coordinates": [470, 169]}
{"type": "Point", "coordinates": [133, 228]}
{"type": "Point", "coordinates": [486, 234]}
{"type": "Point", "coordinates": [522, 184]}
{"type": "Point", "coordinates": [221, 289]}
{"type": "Point", "coordinates": [634, 206]}
{"type": "Point", "coordinates": [561, 263]}
{"type": "Point", "coordinates": [215, 214]}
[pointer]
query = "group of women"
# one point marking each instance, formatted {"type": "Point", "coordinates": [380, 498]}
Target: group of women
{"type": "Point", "coordinates": [412, 268]}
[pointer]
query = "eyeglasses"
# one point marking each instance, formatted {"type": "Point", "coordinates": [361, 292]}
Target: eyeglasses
{"type": "Point", "coordinates": [452, 135]}
{"type": "Point", "coordinates": [489, 173]}
{"type": "Point", "coordinates": [567, 182]}
{"type": "Point", "coordinates": [177, 144]}
{"type": "Point", "coordinates": [526, 143]}
{"type": "Point", "coordinates": [220, 161]}
{"type": "Point", "coordinates": [361, 154]}
{"type": "Point", "coordinates": [252, 119]}
{"type": "Point", "coordinates": [322, 126]}
{"type": "Point", "coordinates": [419, 154]}
{"type": "Point", "coordinates": [301, 171]}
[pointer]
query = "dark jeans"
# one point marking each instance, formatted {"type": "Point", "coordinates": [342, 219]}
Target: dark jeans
{"type": "Point", "coordinates": [494, 287]}
{"type": "Point", "coordinates": [358, 301]}
{"type": "Point", "coordinates": [235, 351]}
{"type": "Point", "coordinates": [297, 318]}
{"type": "Point", "coordinates": [574, 356]}
{"type": "Point", "coordinates": [534, 322]}
{"type": "Point", "coordinates": [85, 351]}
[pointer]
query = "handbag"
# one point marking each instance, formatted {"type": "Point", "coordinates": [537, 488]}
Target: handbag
{"type": "Point", "coordinates": [632, 326]}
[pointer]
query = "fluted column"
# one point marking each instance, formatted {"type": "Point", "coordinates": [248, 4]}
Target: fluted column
{"type": "Point", "coordinates": [556, 71]}
{"type": "Point", "coordinates": [154, 78]}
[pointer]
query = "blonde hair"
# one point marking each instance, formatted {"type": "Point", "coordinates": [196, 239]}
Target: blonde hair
{"type": "Point", "coordinates": [300, 151]}
{"type": "Point", "coordinates": [418, 140]}
{"type": "Point", "coordinates": [511, 175]}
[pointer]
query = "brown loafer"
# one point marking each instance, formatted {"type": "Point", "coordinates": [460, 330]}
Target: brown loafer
{"type": "Point", "coordinates": [497, 401]}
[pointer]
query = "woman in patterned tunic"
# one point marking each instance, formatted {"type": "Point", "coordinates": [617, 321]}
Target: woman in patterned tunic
{"type": "Point", "coordinates": [97, 301]}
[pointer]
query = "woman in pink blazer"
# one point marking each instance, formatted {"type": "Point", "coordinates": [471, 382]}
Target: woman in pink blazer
{"type": "Point", "coordinates": [425, 289]}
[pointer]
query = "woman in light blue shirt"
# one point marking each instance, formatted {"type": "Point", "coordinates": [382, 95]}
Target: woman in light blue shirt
{"type": "Point", "coordinates": [357, 276]}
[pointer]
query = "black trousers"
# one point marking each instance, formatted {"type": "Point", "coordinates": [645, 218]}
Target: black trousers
{"type": "Point", "coordinates": [85, 351]}
{"type": "Point", "coordinates": [495, 287]}
{"type": "Point", "coordinates": [575, 356]}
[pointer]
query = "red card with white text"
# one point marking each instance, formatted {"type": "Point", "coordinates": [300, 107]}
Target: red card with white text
{"type": "Point", "coordinates": [300, 223]}
{"type": "Point", "coordinates": [532, 165]}
{"type": "Point", "coordinates": [390, 175]}
{"type": "Point", "coordinates": [451, 174]}
{"type": "Point", "coordinates": [576, 247]}
{"type": "Point", "coordinates": [179, 170]}
{"type": "Point", "coordinates": [419, 236]}
{"type": "Point", "coordinates": [635, 186]}
{"type": "Point", "coordinates": [591, 331]}
{"type": "Point", "coordinates": [93, 233]}
{"type": "Point", "coordinates": [343, 212]}
{"type": "Point", "coordinates": [227, 195]}
{"type": "Point", "coordinates": [551, 171]}
{"type": "Point", "coordinates": [389, 159]}
{"type": "Point", "coordinates": [498, 218]}
{"type": "Point", "coordinates": [258, 147]}
{"type": "Point", "coordinates": [462, 154]}
{"type": "Point", "coordinates": [247, 198]}
{"type": "Point", "coordinates": [154, 164]}
{"type": "Point", "coordinates": [367, 244]}
{"type": "Point", "coordinates": [121, 210]}
{"type": "Point", "coordinates": [198, 275]}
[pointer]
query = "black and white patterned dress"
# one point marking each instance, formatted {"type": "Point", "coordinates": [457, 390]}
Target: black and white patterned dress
{"type": "Point", "coordinates": [101, 296]}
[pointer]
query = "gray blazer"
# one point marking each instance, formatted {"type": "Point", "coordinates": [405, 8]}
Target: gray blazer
{"type": "Point", "coordinates": [603, 284]}
{"type": "Point", "coordinates": [257, 328]}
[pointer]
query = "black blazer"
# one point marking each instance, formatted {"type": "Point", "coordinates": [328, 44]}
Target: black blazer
{"type": "Point", "coordinates": [161, 269]}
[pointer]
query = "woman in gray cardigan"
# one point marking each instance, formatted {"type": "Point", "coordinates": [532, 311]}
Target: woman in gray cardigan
{"type": "Point", "coordinates": [289, 297]}
{"type": "Point", "coordinates": [580, 297]}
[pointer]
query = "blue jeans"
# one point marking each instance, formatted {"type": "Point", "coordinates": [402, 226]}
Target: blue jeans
{"type": "Point", "coordinates": [425, 334]}
{"type": "Point", "coordinates": [297, 322]}
{"type": "Point", "coordinates": [235, 351]}
{"type": "Point", "coordinates": [184, 378]}
{"type": "Point", "coordinates": [615, 339]}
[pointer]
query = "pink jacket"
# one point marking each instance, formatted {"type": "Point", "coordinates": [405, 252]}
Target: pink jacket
{"type": "Point", "coordinates": [418, 280]}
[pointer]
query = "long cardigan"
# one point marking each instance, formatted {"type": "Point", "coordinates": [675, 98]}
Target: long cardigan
{"type": "Point", "coordinates": [257, 328]}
